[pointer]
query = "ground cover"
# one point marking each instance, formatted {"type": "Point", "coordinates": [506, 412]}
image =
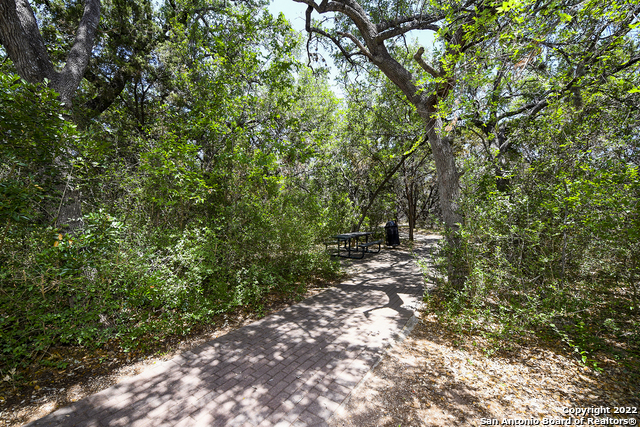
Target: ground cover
{"type": "Point", "coordinates": [453, 371]}
{"type": "Point", "coordinates": [439, 377]}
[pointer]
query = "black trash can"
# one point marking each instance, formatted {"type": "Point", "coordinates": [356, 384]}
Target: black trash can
{"type": "Point", "coordinates": [393, 238]}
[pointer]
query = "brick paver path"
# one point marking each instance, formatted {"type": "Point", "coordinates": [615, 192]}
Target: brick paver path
{"type": "Point", "coordinates": [292, 368]}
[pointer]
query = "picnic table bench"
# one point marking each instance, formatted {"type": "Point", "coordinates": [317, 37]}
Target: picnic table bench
{"type": "Point", "coordinates": [345, 244]}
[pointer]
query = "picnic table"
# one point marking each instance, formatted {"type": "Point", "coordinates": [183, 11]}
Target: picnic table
{"type": "Point", "coordinates": [350, 242]}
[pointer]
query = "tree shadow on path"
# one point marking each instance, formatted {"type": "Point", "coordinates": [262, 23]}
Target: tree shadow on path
{"type": "Point", "coordinates": [294, 367]}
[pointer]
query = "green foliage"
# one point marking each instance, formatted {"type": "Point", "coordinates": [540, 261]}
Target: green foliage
{"type": "Point", "coordinates": [194, 199]}
{"type": "Point", "coordinates": [546, 119]}
{"type": "Point", "coordinates": [32, 134]}
{"type": "Point", "coordinates": [222, 163]}
{"type": "Point", "coordinates": [361, 167]}
{"type": "Point", "coordinates": [108, 283]}
{"type": "Point", "coordinates": [558, 252]}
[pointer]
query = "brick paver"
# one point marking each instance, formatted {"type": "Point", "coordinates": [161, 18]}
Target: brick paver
{"type": "Point", "coordinates": [292, 368]}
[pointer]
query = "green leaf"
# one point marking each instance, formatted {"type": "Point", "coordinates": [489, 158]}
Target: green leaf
{"type": "Point", "coordinates": [565, 17]}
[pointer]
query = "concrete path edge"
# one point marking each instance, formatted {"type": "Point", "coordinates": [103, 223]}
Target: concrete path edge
{"type": "Point", "coordinates": [403, 335]}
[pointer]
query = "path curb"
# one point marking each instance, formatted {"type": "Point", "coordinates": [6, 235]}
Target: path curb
{"type": "Point", "coordinates": [402, 335]}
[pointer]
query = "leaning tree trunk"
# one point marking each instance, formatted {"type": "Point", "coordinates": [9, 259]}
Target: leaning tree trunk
{"type": "Point", "coordinates": [370, 43]}
{"type": "Point", "coordinates": [388, 177]}
{"type": "Point", "coordinates": [443, 156]}
{"type": "Point", "coordinates": [20, 36]}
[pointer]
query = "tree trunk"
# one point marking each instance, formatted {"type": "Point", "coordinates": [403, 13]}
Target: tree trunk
{"type": "Point", "coordinates": [448, 179]}
{"type": "Point", "coordinates": [449, 193]}
{"type": "Point", "coordinates": [370, 42]}
{"type": "Point", "coordinates": [411, 210]}
{"type": "Point", "coordinates": [448, 176]}
{"type": "Point", "coordinates": [20, 36]}
{"type": "Point", "coordinates": [381, 186]}
{"type": "Point", "coordinates": [69, 217]}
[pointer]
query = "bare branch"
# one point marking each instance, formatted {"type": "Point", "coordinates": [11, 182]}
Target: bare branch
{"type": "Point", "coordinates": [363, 49]}
{"type": "Point", "coordinates": [351, 9]}
{"type": "Point", "coordinates": [424, 65]}
{"type": "Point", "coordinates": [520, 110]}
{"type": "Point", "coordinates": [415, 25]}
{"type": "Point", "coordinates": [418, 18]}
{"type": "Point", "coordinates": [320, 31]}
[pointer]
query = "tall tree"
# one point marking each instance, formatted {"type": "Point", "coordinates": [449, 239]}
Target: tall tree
{"type": "Point", "coordinates": [574, 47]}
{"type": "Point", "coordinates": [370, 30]}
{"type": "Point", "coordinates": [365, 29]}
{"type": "Point", "coordinates": [22, 39]}
{"type": "Point", "coordinates": [467, 29]}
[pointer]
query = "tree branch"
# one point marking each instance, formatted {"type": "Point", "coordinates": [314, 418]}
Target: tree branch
{"type": "Point", "coordinates": [320, 31]}
{"type": "Point", "coordinates": [415, 25]}
{"type": "Point", "coordinates": [21, 38]}
{"type": "Point", "coordinates": [420, 18]}
{"type": "Point", "coordinates": [80, 52]}
{"type": "Point", "coordinates": [363, 49]}
{"type": "Point", "coordinates": [424, 65]}
{"type": "Point", "coordinates": [627, 64]}
{"type": "Point", "coordinates": [108, 92]}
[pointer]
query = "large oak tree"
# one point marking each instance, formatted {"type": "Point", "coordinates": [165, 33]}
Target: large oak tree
{"type": "Point", "coordinates": [367, 31]}
{"type": "Point", "coordinates": [24, 44]}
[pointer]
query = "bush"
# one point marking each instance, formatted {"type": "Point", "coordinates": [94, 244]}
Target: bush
{"type": "Point", "coordinates": [558, 252]}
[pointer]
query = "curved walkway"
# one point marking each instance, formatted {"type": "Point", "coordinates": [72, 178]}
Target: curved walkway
{"type": "Point", "coordinates": [292, 368]}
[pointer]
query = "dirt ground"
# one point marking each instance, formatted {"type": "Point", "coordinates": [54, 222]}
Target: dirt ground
{"type": "Point", "coordinates": [438, 378]}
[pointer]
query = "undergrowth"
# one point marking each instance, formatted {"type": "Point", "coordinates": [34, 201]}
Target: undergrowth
{"type": "Point", "coordinates": [578, 318]}
{"type": "Point", "coordinates": [110, 284]}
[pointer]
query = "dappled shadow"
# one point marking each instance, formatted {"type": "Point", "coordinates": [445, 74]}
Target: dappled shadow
{"type": "Point", "coordinates": [297, 365]}
{"type": "Point", "coordinates": [441, 377]}
{"type": "Point", "coordinates": [417, 392]}
{"type": "Point", "coordinates": [433, 379]}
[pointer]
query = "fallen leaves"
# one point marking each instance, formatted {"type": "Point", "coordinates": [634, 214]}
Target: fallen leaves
{"type": "Point", "coordinates": [450, 381]}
